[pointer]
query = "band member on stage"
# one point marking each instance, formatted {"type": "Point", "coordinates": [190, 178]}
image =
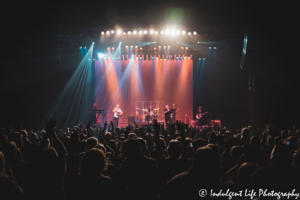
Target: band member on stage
{"type": "Point", "coordinates": [117, 113]}
{"type": "Point", "coordinates": [173, 112]}
{"type": "Point", "coordinates": [167, 115]}
{"type": "Point", "coordinates": [199, 116]}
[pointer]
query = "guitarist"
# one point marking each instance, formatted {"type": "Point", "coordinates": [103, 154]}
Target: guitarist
{"type": "Point", "coordinates": [199, 116]}
{"type": "Point", "coordinates": [173, 113]}
{"type": "Point", "coordinates": [117, 114]}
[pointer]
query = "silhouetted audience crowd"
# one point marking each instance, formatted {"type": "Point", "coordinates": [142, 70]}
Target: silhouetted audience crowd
{"type": "Point", "coordinates": [148, 162]}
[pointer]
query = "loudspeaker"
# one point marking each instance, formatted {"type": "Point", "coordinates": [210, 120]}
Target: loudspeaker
{"type": "Point", "coordinates": [131, 120]}
{"type": "Point", "coordinates": [215, 122]}
{"type": "Point", "coordinates": [195, 123]}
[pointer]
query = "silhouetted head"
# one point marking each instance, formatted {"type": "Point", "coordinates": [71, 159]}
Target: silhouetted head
{"type": "Point", "coordinates": [142, 144]}
{"type": "Point", "coordinates": [199, 143]}
{"type": "Point", "coordinates": [91, 143]}
{"type": "Point", "coordinates": [2, 165]}
{"type": "Point", "coordinates": [244, 174]}
{"type": "Point", "coordinates": [132, 149]}
{"type": "Point", "coordinates": [101, 147]}
{"type": "Point", "coordinates": [230, 142]}
{"type": "Point", "coordinates": [174, 149]}
{"type": "Point", "coordinates": [93, 162]}
{"type": "Point", "coordinates": [205, 158]}
{"type": "Point", "coordinates": [246, 133]}
{"type": "Point", "coordinates": [212, 138]}
{"type": "Point", "coordinates": [10, 150]}
{"type": "Point", "coordinates": [236, 152]}
{"type": "Point", "coordinates": [254, 141]}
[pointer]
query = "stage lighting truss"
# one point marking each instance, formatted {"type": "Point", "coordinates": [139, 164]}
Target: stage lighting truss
{"type": "Point", "coordinates": [149, 32]}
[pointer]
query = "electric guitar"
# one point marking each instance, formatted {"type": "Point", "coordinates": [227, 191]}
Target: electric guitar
{"type": "Point", "coordinates": [173, 112]}
{"type": "Point", "coordinates": [200, 115]}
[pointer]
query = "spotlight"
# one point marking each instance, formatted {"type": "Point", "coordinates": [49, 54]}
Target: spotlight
{"type": "Point", "coordinates": [198, 42]}
{"type": "Point", "coordinates": [112, 31]}
{"type": "Point", "coordinates": [199, 58]}
{"type": "Point", "coordinates": [93, 43]}
{"type": "Point", "coordinates": [180, 58]}
{"type": "Point", "coordinates": [154, 48]}
{"type": "Point", "coordinates": [102, 32]}
{"type": "Point", "coordinates": [124, 33]}
{"type": "Point", "coordinates": [154, 42]}
{"type": "Point", "coordinates": [176, 58]}
{"type": "Point", "coordinates": [173, 32]}
{"type": "Point", "coordinates": [152, 58]}
{"type": "Point", "coordinates": [167, 32]}
{"type": "Point", "coordinates": [151, 31]}
{"type": "Point", "coordinates": [177, 42]}
{"type": "Point", "coordinates": [186, 47]}
{"type": "Point", "coordinates": [194, 32]}
{"type": "Point", "coordinates": [168, 47]}
{"type": "Point", "coordinates": [209, 47]}
{"type": "Point", "coordinates": [162, 32]}
{"type": "Point", "coordinates": [164, 47]}
{"type": "Point", "coordinates": [140, 32]}
{"type": "Point", "coordinates": [131, 47]}
{"type": "Point", "coordinates": [189, 33]}
{"type": "Point", "coordinates": [119, 32]}
{"type": "Point", "coordinates": [80, 47]}
{"type": "Point", "coordinates": [178, 32]}
{"type": "Point", "coordinates": [141, 58]}
{"type": "Point", "coordinates": [215, 47]}
{"type": "Point", "coordinates": [85, 47]}
{"type": "Point", "coordinates": [156, 32]}
{"type": "Point", "coordinates": [134, 32]}
{"type": "Point", "coordinates": [145, 32]}
{"type": "Point", "coordinates": [136, 46]}
{"type": "Point", "coordinates": [203, 58]}
{"type": "Point", "coordinates": [120, 42]}
{"type": "Point", "coordinates": [141, 48]}
{"type": "Point", "coordinates": [100, 55]}
{"type": "Point", "coordinates": [159, 47]}
{"type": "Point", "coordinates": [129, 32]}
{"type": "Point", "coordinates": [183, 32]}
{"type": "Point", "coordinates": [107, 32]}
{"type": "Point", "coordinates": [113, 48]}
{"type": "Point", "coordinates": [126, 47]}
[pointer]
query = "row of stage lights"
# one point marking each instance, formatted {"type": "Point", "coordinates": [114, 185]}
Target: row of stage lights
{"type": "Point", "coordinates": [144, 57]}
{"type": "Point", "coordinates": [151, 32]}
{"type": "Point", "coordinates": [136, 47]}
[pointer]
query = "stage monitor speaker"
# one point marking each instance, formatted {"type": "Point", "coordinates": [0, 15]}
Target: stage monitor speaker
{"type": "Point", "coordinates": [215, 122]}
{"type": "Point", "coordinates": [131, 120]}
{"type": "Point", "coordinates": [195, 123]}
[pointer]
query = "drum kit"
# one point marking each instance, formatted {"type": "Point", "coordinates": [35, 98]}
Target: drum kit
{"type": "Point", "coordinates": [147, 114]}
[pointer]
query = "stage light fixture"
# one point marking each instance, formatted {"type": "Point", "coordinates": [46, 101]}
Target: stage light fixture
{"type": "Point", "coordinates": [152, 58]}
{"type": "Point", "coordinates": [80, 47]}
{"type": "Point", "coordinates": [85, 47]}
{"type": "Point", "coordinates": [154, 48]}
{"type": "Point", "coordinates": [124, 33]}
{"type": "Point", "coordinates": [151, 31]}
{"type": "Point", "coordinates": [189, 33]}
{"type": "Point", "coordinates": [126, 47]}
{"type": "Point", "coordinates": [164, 47]}
{"type": "Point", "coordinates": [183, 32]}
{"type": "Point", "coordinates": [198, 42]}
{"type": "Point", "coordinates": [107, 32]}
{"type": "Point", "coordinates": [134, 32]}
{"type": "Point", "coordinates": [176, 58]}
{"type": "Point", "coordinates": [167, 32]}
{"type": "Point", "coordinates": [177, 42]}
{"type": "Point", "coordinates": [209, 47]}
{"type": "Point", "coordinates": [100, 55]}
{"type": "Point", "coordinates": [156, 32]}
{"type": "Point", "coordinates": [173, 32]}
{"type": "Point", "coordinates": [186, 47]}
{"type": "Point", "coordinates": [145, 32]}
{"type": "Point", "coordinates": [182, 47]}
{"type": "Point", "coordinates": [159, 47]}
{"type": "Point", "coordinates": [203, 58]}
{"type": "Point", "coordinates": [141, 58]}
{"type": "Point", "coordinates": [180, 58]}
{"type": "Point", "coordinates": [162, 32]}
{"type": "Point", "coordinates": [199, 58]}
{"type": "Point", "coordinates": [119, 32]}
{"type": "Point", "coordinates": [154, 42]}
{"type": "Point", "coordinates": [194, 32]}
{"type": "Point", "coordinates": [112, 31]}
{"type": "Point", "coordinates": [215, 47]}
{"type": "Point", "coordinates": [136, 46]}
{"type": "Point", "coordinates": [120, 42]}
{"type": "Point", "coordinates": [113, 48]}
{"type": "Point", "coordinates": [140, 32]}
{"type": "Point", "coordinates": [102, 32]}
{"type": "Point", "coordinates": [131, 47]}
{"type": "Point", "coordinates": [178, 32]}
{"type": "Point", "coordinates": [141, 48]}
